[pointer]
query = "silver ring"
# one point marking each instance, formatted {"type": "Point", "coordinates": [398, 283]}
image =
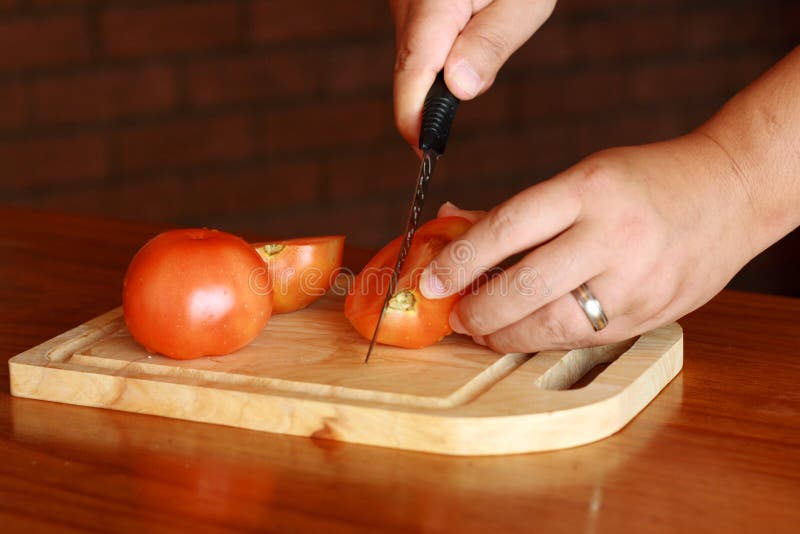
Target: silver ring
{"type": "Point", "coordinates": [591, 307]}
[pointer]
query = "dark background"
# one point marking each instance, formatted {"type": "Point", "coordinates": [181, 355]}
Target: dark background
{"type": "Point", "coordinates": [275, 116]}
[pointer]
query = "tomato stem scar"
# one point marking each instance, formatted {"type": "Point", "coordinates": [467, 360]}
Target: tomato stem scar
{"type": "Point", "coordinates": [403, 301]}
{"type": "Point", "coordinates": [270, 249]}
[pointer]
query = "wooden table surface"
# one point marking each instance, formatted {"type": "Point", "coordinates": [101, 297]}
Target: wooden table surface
{"type": "Point", "coordinates": [717, 450]}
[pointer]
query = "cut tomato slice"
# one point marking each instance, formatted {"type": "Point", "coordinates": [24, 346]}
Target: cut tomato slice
{"type": "Point", "coordinates": [411, 320]}
{"type": "Point", "coordinates": [302, 269]}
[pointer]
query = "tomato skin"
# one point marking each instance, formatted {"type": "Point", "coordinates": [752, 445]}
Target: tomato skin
{"type": "Point", "coordinates": [196, 292]}
{"type": "Point", "coordinates": [428, 320]}
{"type": "Point", "coordinates": [301, 270]}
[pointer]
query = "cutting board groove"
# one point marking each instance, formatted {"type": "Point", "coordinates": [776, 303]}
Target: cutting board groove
{"type": "Point", "coordinates": [304, 376]}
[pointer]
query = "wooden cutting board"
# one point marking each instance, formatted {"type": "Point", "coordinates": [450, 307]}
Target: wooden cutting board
{"type": "Point", "coordinates": [304, 376]}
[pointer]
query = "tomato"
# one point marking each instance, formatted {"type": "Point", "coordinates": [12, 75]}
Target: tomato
{"type": "Point", "coordinates": [411, 321]}
{"type": "Point", "coordinates": [196, 292]}
{"type": "Point", "coordinates": [301, 270]}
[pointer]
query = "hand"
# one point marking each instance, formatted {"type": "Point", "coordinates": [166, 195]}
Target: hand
{"type": "Point", "coordinates": [655, 231]}
{"type": "Point", "coordinates": [470, 39]}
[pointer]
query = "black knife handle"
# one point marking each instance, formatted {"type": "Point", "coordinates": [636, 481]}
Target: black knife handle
{"type": "Point", "coordinates": [437, 116]}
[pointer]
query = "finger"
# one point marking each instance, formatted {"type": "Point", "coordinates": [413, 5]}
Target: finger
{"type": "Point", "coordinates": [562, 324]}
{"type": "Point", "coordinates": [430, 27]}
{"type": "Point", "coordinates": [448, 209]}
{"type": "Point", "coordinates": [542, 276]}
{"type": "Point", "coordinates": [490, 37]}
{"type": "Point", "coordinates": [530, 218]}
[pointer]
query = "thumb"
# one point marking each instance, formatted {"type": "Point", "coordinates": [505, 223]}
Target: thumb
{"type": "Point", "coordinates": [488, 40]}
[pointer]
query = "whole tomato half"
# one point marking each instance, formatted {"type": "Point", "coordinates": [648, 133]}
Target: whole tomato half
{"type": "Point", "coordinates": [411, 321]}
{"type": "Point", "coordinates": [302, 269]}
{"type": "Point", "coordinates": [196, 292]}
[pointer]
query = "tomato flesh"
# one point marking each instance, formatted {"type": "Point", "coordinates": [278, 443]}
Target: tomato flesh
{"type": "Point", "coordinates": [411, 320]}
{"type": "Point", "coordinates": [196, 292]}
{"type": "Point", "coordinates": [301, 270]}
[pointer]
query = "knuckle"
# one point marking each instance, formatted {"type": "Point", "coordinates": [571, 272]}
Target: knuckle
{"type": "Point", "coordinates": [553, 329]}
{"type": "Point", "coordinates": [499, 343]}
{"type": "Point", "coordinates": [528, 284]}
{"type": "Point", "coordinates": [502, 223]}
{"type": "Point", "coordinates": [511, 339]}
{"type": "Point", "coordinates": [594, 177]}
{"type": "Point", "coordinates": [403, 59]}
{"type": "Point", "coordinates": [493, 44]}
{"type": "Point", "coordinates": [472, 320]}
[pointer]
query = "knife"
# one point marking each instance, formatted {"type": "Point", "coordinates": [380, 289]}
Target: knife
{"type": "Point", "coordinates": [437, 117]}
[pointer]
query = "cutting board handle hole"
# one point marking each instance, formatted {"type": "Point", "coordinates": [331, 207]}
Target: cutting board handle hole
{"type": "Point", "coordinates": [580, 367]}
{"type": "Point", "coordinates": [590, 376]}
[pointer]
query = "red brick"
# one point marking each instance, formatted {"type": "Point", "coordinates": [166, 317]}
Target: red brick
{"type": "Point", "coordinates": [483, 194]}
{"type": "Point", "coordinates": [195, 199]}
{"type": "Point", "coordinates": [142, 31]}
{"type": "Point", "coordinates": [469, 164]}
{"type": "Point", "coordinates": [140, 200]}
{"type": "Point", "coordinates": [73, 4]}
{"type": "Point", "coordinates": [363, 223]}
{"type": "Point", "coordinates": [574, 94]}
{"type": "Point", "coordinates": [12, 106]}
{"type": "Point", "coordinates": [27, 43]}
{"type": "Point", "coordinates": [359, 68]}
{"type": "Point", "coordinates": [284, 20]}
{"type": "Point", "coordinates": [491, 109]}
{"type": "Point", "coordinates": [269, 187]}
{"type": "Point", "coordinates": [103, 95]}
{"type": "Point", "coordinates": [668, 33]}
{"type": "Point", "coordinates": [328, 125]}
{"type": "Point", "coordinates": [377, 172]}
{"type": "Point", "coordinates": [183, 143]}
{"type": "Point", "coordinates": [628, 36]}
{"type": "Point", "coordinates": [595, 7]}
{"type": "Point", "coordinates": [628, 129]}
{"type": "Point", "coordinates": [735, 26]}
{"type": "Point", "coordinates": [696, 79]}
{"type": "Point", "coordinates": [53, 160]}
{"type": "Point", "coordinates": [552, 44]}
{"type": "Point", "coordinates": [484, 157]}
{"type": "Point", "coordinates": [259, 77]}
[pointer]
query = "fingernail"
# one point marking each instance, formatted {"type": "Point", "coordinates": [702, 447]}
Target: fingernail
{"type": "Point", "coordinates": [466, 78]}
{"type": "Point", "coordinates": [455, 323]}
{"type": "Point", "coordinates": [479, 340]}
{"type": "Point", "coordinates": [447, 207]}
{"type": "Point", "coordinates": [431, 285]}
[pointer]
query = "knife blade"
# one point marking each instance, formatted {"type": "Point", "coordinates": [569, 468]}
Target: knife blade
{"type": "Point", "coordinates": [438, 113]}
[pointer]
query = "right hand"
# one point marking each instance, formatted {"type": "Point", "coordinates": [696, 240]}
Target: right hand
{"type": "Point", "coordinates": [655, 230]}
{"type": "Point", "coordinates": [470, 39]}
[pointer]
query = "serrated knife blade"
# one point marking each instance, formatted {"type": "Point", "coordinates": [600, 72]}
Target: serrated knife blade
{"type": "Point", "coordinates": [437, 117]}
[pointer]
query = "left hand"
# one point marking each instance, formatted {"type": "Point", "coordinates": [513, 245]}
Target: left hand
{"type": "Point", "coordinates": [469, 39]}
{"type": "Point", "coordinates": [655, 231]}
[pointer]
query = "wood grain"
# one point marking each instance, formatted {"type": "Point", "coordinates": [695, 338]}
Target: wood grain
{"type": "Point", "coordinates": [717, 451]}
{"type": "Point", "coordinates": [304, 375]}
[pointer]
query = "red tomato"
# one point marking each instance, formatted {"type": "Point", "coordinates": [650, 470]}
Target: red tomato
{"type": "Point", "coordinates": [301, 270]}
{"type": "Point", "coordinates": [196, 292]}
{"type": "Point", "coordinates": [411, 321]}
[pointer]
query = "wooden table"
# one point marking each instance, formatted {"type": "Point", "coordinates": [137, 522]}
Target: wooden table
{"type": "Point", "coordinates": [717, 450]}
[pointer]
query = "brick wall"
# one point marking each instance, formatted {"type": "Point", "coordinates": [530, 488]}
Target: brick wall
{"type": "Point", "coordinates": [274, 116]}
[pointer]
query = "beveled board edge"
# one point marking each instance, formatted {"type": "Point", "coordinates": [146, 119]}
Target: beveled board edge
{"type": "Point", "coordinates": [32, 375]}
